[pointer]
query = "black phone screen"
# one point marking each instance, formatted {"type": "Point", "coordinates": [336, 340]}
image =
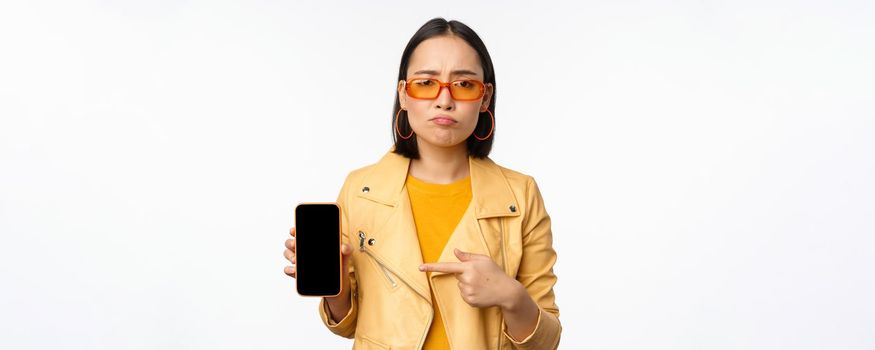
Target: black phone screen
{"type": "Point", "coordinates": [317, 249]}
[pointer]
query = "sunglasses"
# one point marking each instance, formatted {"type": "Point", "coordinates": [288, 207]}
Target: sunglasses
{"type": "Point", "coordinates": [460, 90]}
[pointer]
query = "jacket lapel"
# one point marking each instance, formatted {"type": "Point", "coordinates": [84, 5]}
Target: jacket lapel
{"type": "Point", "coordinates": [397, 242]}
{"type": "Point", "coordinates": [491, 197]}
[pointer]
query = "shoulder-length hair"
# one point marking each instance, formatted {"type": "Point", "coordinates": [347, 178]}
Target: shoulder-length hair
{"type": "Point", "coordinates": [433, 28]}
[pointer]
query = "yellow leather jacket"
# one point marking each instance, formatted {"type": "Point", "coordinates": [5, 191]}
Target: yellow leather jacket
{"type": "Point", "coordinates": [391, 301]}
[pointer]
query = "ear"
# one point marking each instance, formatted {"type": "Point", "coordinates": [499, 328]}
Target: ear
{"type": "Point", "coordinates": [402, 94]}
{"type": "Point", "coordinates": [487, 97]}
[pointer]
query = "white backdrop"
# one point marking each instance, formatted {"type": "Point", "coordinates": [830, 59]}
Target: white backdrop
{"type": "Point", "coordinates": [708, 165]}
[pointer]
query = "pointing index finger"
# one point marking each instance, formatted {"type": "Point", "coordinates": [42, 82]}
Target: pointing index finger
{"type": "Point", "coordinates": [450, 267]}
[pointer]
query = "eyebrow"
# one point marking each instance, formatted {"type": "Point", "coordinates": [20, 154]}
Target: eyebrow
{"type": "Point", "coordinates": [455, 72]}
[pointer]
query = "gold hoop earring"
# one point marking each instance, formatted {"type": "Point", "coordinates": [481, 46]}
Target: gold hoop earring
{"type": "Point", "coordinates": [490, 130]}
{"type": "Point", "coordinates": [398, 130]}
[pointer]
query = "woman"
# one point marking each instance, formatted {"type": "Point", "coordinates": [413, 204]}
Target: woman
{"type": "Point", "coordinates": [443, 247]}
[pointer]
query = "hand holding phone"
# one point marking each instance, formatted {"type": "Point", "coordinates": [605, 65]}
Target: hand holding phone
{"type": "Point", "coordinates": [320, 262]}
{"type": "Point", "coordinates": [339, 305]}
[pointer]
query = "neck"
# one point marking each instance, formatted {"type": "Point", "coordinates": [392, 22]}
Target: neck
{"type": "Point", "coordinates": [440, 165]}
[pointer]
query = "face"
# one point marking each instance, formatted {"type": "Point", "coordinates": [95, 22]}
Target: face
{"type": "Point", "coordinates": [445, 58]}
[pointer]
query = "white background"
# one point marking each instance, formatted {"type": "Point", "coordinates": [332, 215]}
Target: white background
{"type": "Point", "coordinates": [708, 165]}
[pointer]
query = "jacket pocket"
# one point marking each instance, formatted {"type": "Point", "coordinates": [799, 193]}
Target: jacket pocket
{"type": "Point", "coordinates": [364, 343]}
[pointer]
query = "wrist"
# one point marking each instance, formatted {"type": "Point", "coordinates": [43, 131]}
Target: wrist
{"type": "Point", "coordinates": [338, 306]}
{"type": "Point", "coordinates": [340, 300]}
{"type": "Point", "coordinates": [515, 297]}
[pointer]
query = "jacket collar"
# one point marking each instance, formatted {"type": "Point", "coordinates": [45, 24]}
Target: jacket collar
{"type": "Point", "coordinates": [491, 193]}
{"type": "Point", "coordinates": [398, 245]}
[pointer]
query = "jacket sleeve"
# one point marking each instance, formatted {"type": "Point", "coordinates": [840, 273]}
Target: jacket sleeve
{"type": "Point", "coordinates": [346, 326]}
{"type": "Point", "coordinates": [536, 273]}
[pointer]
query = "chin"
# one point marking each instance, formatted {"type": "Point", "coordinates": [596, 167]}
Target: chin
{"type": "Point", "coordinates": [453, 142]}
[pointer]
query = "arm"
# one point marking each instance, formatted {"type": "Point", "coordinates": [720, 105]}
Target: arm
{"type": "Point", "coordinates": [536, 278]}
{"type": "Point", "coordinates": [340, 313]}
{"type": "Point", "coordinates": [521, 313]}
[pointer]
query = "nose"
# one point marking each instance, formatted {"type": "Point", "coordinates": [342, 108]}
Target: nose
{"type": "Point", "coordinates": [445, 99]}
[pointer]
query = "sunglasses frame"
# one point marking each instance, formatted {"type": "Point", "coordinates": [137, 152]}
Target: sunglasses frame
{"type": "Point", "coordinates": [448, 85]}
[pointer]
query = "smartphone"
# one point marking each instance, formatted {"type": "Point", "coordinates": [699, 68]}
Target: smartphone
{"type": "Point", "coordinates": [317, 249]}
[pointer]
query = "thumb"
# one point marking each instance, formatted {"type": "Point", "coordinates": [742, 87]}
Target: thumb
{"type": "Point", "coordinates": [463, 256]}
{"type": "Point", "coordinates": [345, 249]}
{"type": "Point", "coordinates": [345, 256]}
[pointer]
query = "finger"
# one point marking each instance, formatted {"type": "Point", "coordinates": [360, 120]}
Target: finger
{"type": "Point", "coordinates": [450, 267]}
{"type": "Point", "coordinates": [289, 255]}
{"type": "Point", "coordinates": [345, 256]}
{"type": "Point", "coordinates": [290, 244]}
{"type": "Point", "coordinates": [463, 256]}
{"type": "Point", "coordinates": [466, 256]}
{"type": "Point", "coordinates": [464, 288]}
{"type": "Point", "coordinates": [289, 270]}
{"type": "Point", "coordinates": [292, 231]}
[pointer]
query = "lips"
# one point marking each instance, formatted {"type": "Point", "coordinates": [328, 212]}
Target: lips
{"type": "Point", "coordinates": [443, 119]}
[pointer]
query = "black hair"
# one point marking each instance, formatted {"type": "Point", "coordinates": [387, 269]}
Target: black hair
{"type": "Point", "coordinates": [434, 28]}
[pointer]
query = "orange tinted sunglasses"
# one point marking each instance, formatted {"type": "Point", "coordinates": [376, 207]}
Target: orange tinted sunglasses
{"type": "Point", "coordinates": [460, 90]}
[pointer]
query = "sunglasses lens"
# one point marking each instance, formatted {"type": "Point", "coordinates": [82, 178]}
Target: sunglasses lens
{"type": "Point", "coordinates": [463, 90]}
{"type": "Point", "coordinates": [423, 88]}
{"type": "Point", "coordinates": [466, 89]}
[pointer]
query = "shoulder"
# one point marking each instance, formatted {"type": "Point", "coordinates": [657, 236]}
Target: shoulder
{"type": "Point", "coordinates": [356, 176]}
{"type": "Point", "coordinates": [360, 172]}
{"type": "Point", "coordinates": [514, 176]}
{"type": "Point", "coordinates": [516, 179]}
{"type": "Point", "coordinates": [390, 162]}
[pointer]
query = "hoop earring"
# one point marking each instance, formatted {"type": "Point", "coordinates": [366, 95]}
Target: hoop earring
{"type": "Point", "coordinates": [490, 130]}
{"type": "Point", "coordinates": [398, 130]}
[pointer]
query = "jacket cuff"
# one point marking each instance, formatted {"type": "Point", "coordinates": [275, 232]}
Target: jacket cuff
{"type": "Point", "coordinates": [346, 327]}
{"type": "Point", "coordinates": [545, 336]}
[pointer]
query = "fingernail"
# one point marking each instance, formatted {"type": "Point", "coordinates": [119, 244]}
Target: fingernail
{"type": "Point", "coordinates": [421, 267]}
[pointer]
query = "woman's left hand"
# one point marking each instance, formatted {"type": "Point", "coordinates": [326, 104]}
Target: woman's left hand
{"type": "Point", "coordinates": [482, 283]}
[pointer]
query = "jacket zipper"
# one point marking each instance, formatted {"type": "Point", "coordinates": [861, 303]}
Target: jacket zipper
{"type": "Point", "coordinates": [382, 268]}
{"type": "Point", "coordinates": [386, 273]}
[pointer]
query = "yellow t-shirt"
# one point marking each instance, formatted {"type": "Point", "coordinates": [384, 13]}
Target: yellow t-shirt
{"type": "Point", "coordinates": [437, 210]}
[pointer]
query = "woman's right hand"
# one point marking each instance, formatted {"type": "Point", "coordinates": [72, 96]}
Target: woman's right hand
{"type": "Point", "coordinates": [340, 304]}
